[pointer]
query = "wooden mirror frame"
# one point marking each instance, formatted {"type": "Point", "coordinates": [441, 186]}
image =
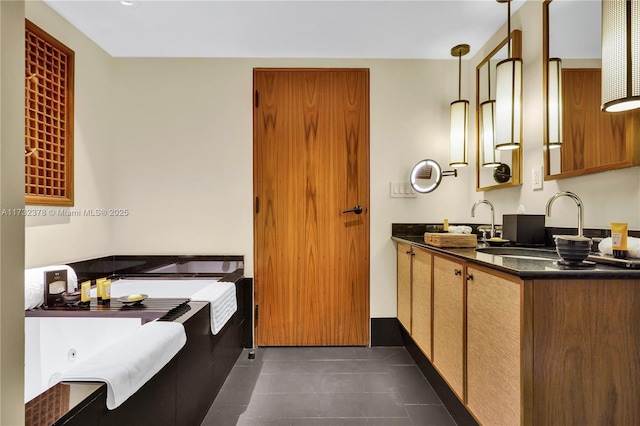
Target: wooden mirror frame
{"type": "Point", "coordinates": [516, 155]}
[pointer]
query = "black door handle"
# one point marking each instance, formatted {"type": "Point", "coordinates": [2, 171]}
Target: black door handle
{"type": "Point", "coordinates": [357, 210]}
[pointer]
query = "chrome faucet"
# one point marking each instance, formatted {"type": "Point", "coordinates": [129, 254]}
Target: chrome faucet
{"type": "Point", "coordinates": [493, 216]}
{"type": "Point", "coordinates": [578, 202]}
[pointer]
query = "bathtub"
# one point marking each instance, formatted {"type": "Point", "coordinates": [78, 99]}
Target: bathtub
{"type": "Point", "coordinates": [53, 345]}
{"type": "Point", "coordinates": [170, 288]}
{"type": "Point", "coordinates": [189, 383]}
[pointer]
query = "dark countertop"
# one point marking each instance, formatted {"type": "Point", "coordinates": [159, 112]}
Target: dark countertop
{"type": "Point", "coordinates": [524, 268]}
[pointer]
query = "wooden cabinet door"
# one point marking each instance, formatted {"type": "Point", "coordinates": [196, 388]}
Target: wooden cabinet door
{"type": "Point", "coordinates": [405, 253]}
{"type": "Point", "coordinates": [448, 321]}
{"type": "Point", "coordinates": [493, 348]}
{"type": "Point", "coordinates": [421, 300]}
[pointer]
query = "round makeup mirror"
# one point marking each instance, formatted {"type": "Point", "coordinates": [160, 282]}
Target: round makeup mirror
{"type": "Point", "coordinates": [427, 175]}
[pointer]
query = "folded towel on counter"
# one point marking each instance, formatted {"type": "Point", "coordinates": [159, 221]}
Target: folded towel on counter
{"type": "Point", "coordinates": [129, 362]}
{"type": "Point", "coordinates": [34, 284]}
{"type": "Point", "coordinates": [222, 297]}
{"type": "Point", "coordinates": [633, 247]}
{"type": "Point", "coordinates": [459, 229]}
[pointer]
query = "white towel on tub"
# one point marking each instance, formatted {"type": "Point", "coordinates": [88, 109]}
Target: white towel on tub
{"type": "Point", "coordinates": [222, 298]}
{"type": "Point", "coordinates": [129, 362]}
{"type": "Point", "coordinates": [34, 284]}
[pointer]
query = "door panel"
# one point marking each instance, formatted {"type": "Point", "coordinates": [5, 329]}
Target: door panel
{"type": "Point", "coordinates": [311, 162]}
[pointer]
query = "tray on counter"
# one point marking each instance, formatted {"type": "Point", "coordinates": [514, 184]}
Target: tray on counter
{"type": "Point", "coordinates": [610, 260]}
{"type": "Point", "coordinates": [450, 240]}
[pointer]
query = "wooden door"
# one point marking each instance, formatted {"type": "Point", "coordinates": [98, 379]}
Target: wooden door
{"type": "Point", "coordinates": [311, 163]}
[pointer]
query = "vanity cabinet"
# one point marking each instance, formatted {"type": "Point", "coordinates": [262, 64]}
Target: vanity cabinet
{"type": "Point", "coordinates": [553, 349]}
{"type": "Point", "coordinates": [405, 256]}
{"type": "Point", "coordinates": [421, 303]}
{"type": "Point", "coordinates": [493, 347]}
{"type": "Point", "coordinates": [448, 321]}
{"type": "Point", "coordinates": [414, 294]}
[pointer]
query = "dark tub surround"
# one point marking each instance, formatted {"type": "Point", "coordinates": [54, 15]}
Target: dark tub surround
{"type": "Point", "coordinates": [523, 340]}
{"type": "Point", "coordinates": [59, 404]}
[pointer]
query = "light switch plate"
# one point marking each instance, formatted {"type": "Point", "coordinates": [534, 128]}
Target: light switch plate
{"type": "Point", "coordinates": [537, 177]}
{"type": "Point", "coordinates": [401, 190]}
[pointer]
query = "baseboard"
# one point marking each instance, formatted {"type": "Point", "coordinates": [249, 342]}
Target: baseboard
{"type": "Point", "coordinates": [386, 332]}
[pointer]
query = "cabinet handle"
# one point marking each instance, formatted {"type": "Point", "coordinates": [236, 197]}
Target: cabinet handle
{"type": "Point", "coordinates": [409, 252]}
{"type": "Point", "coordinates": [458, 272]}
{"type": "Point", "coordinates": [469, 277]}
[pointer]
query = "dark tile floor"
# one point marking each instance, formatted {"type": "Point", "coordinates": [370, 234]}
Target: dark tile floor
{"type": "Point", "coordinates": [327, 386]}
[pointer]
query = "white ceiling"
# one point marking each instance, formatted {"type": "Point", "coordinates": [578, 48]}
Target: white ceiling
{"type": "Point", "coordinates": [286, 28]}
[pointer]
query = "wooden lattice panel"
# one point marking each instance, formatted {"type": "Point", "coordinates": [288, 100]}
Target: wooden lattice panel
{"type": "Point", "coordinates": [49, 69]}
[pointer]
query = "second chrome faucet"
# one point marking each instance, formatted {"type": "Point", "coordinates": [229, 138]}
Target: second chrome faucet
{"type": "Point", "coordinates": [578, 202]}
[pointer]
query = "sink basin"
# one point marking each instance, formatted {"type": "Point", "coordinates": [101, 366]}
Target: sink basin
{"type": "Point", "coordinates": [521, 253]}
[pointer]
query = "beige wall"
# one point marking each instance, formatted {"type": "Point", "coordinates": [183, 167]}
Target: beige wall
{"type": "Point", "coordinates": [58, 239]}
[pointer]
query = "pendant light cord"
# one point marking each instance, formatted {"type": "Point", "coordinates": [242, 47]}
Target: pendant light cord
{"type": "Point", "coordinates": [460, 75]}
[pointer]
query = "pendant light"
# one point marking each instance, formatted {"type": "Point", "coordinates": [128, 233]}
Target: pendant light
{"type": "Point", "coordinates": [508, 96]}
{"type": "Point", "coordinates": [459, 117]}
{"type": "Point", "coordinates": [620, 55]}
{"type": "Point", "coordinates": [487, 120]}
{"type": "Point", "coordinates": [554, 103]}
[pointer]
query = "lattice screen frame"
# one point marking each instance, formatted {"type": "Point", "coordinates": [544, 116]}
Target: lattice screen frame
{"type": "Point", "coordinates": [49, 108]}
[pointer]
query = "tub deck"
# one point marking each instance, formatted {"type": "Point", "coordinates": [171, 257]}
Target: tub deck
{"type": "Point", "coordinates": [149, 310]}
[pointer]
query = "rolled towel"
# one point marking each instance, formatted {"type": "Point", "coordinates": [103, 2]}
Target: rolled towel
{"type": "Point", "coordinates": [633, 247]}
{"type": "Point", "coordinates": [223, 303]}
{"type": "Point", "coordinates": [34, 284]}
{"type": "Point", "coordinates": [459, 229]}
{"type": "Point", "coordinates": [129, 362]}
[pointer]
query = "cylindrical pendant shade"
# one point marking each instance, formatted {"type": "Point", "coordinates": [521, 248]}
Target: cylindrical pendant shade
{"type": "Point", "coordinates": [554, 103]}
{"type": "Point", "coordinates": [487, 114]}
{"type": "Point", "coordinates": [620, 55]}
{"type": "Point", "coordinates": [508, 104]}
{"type": "Point", "coordinates": [459, 133]}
